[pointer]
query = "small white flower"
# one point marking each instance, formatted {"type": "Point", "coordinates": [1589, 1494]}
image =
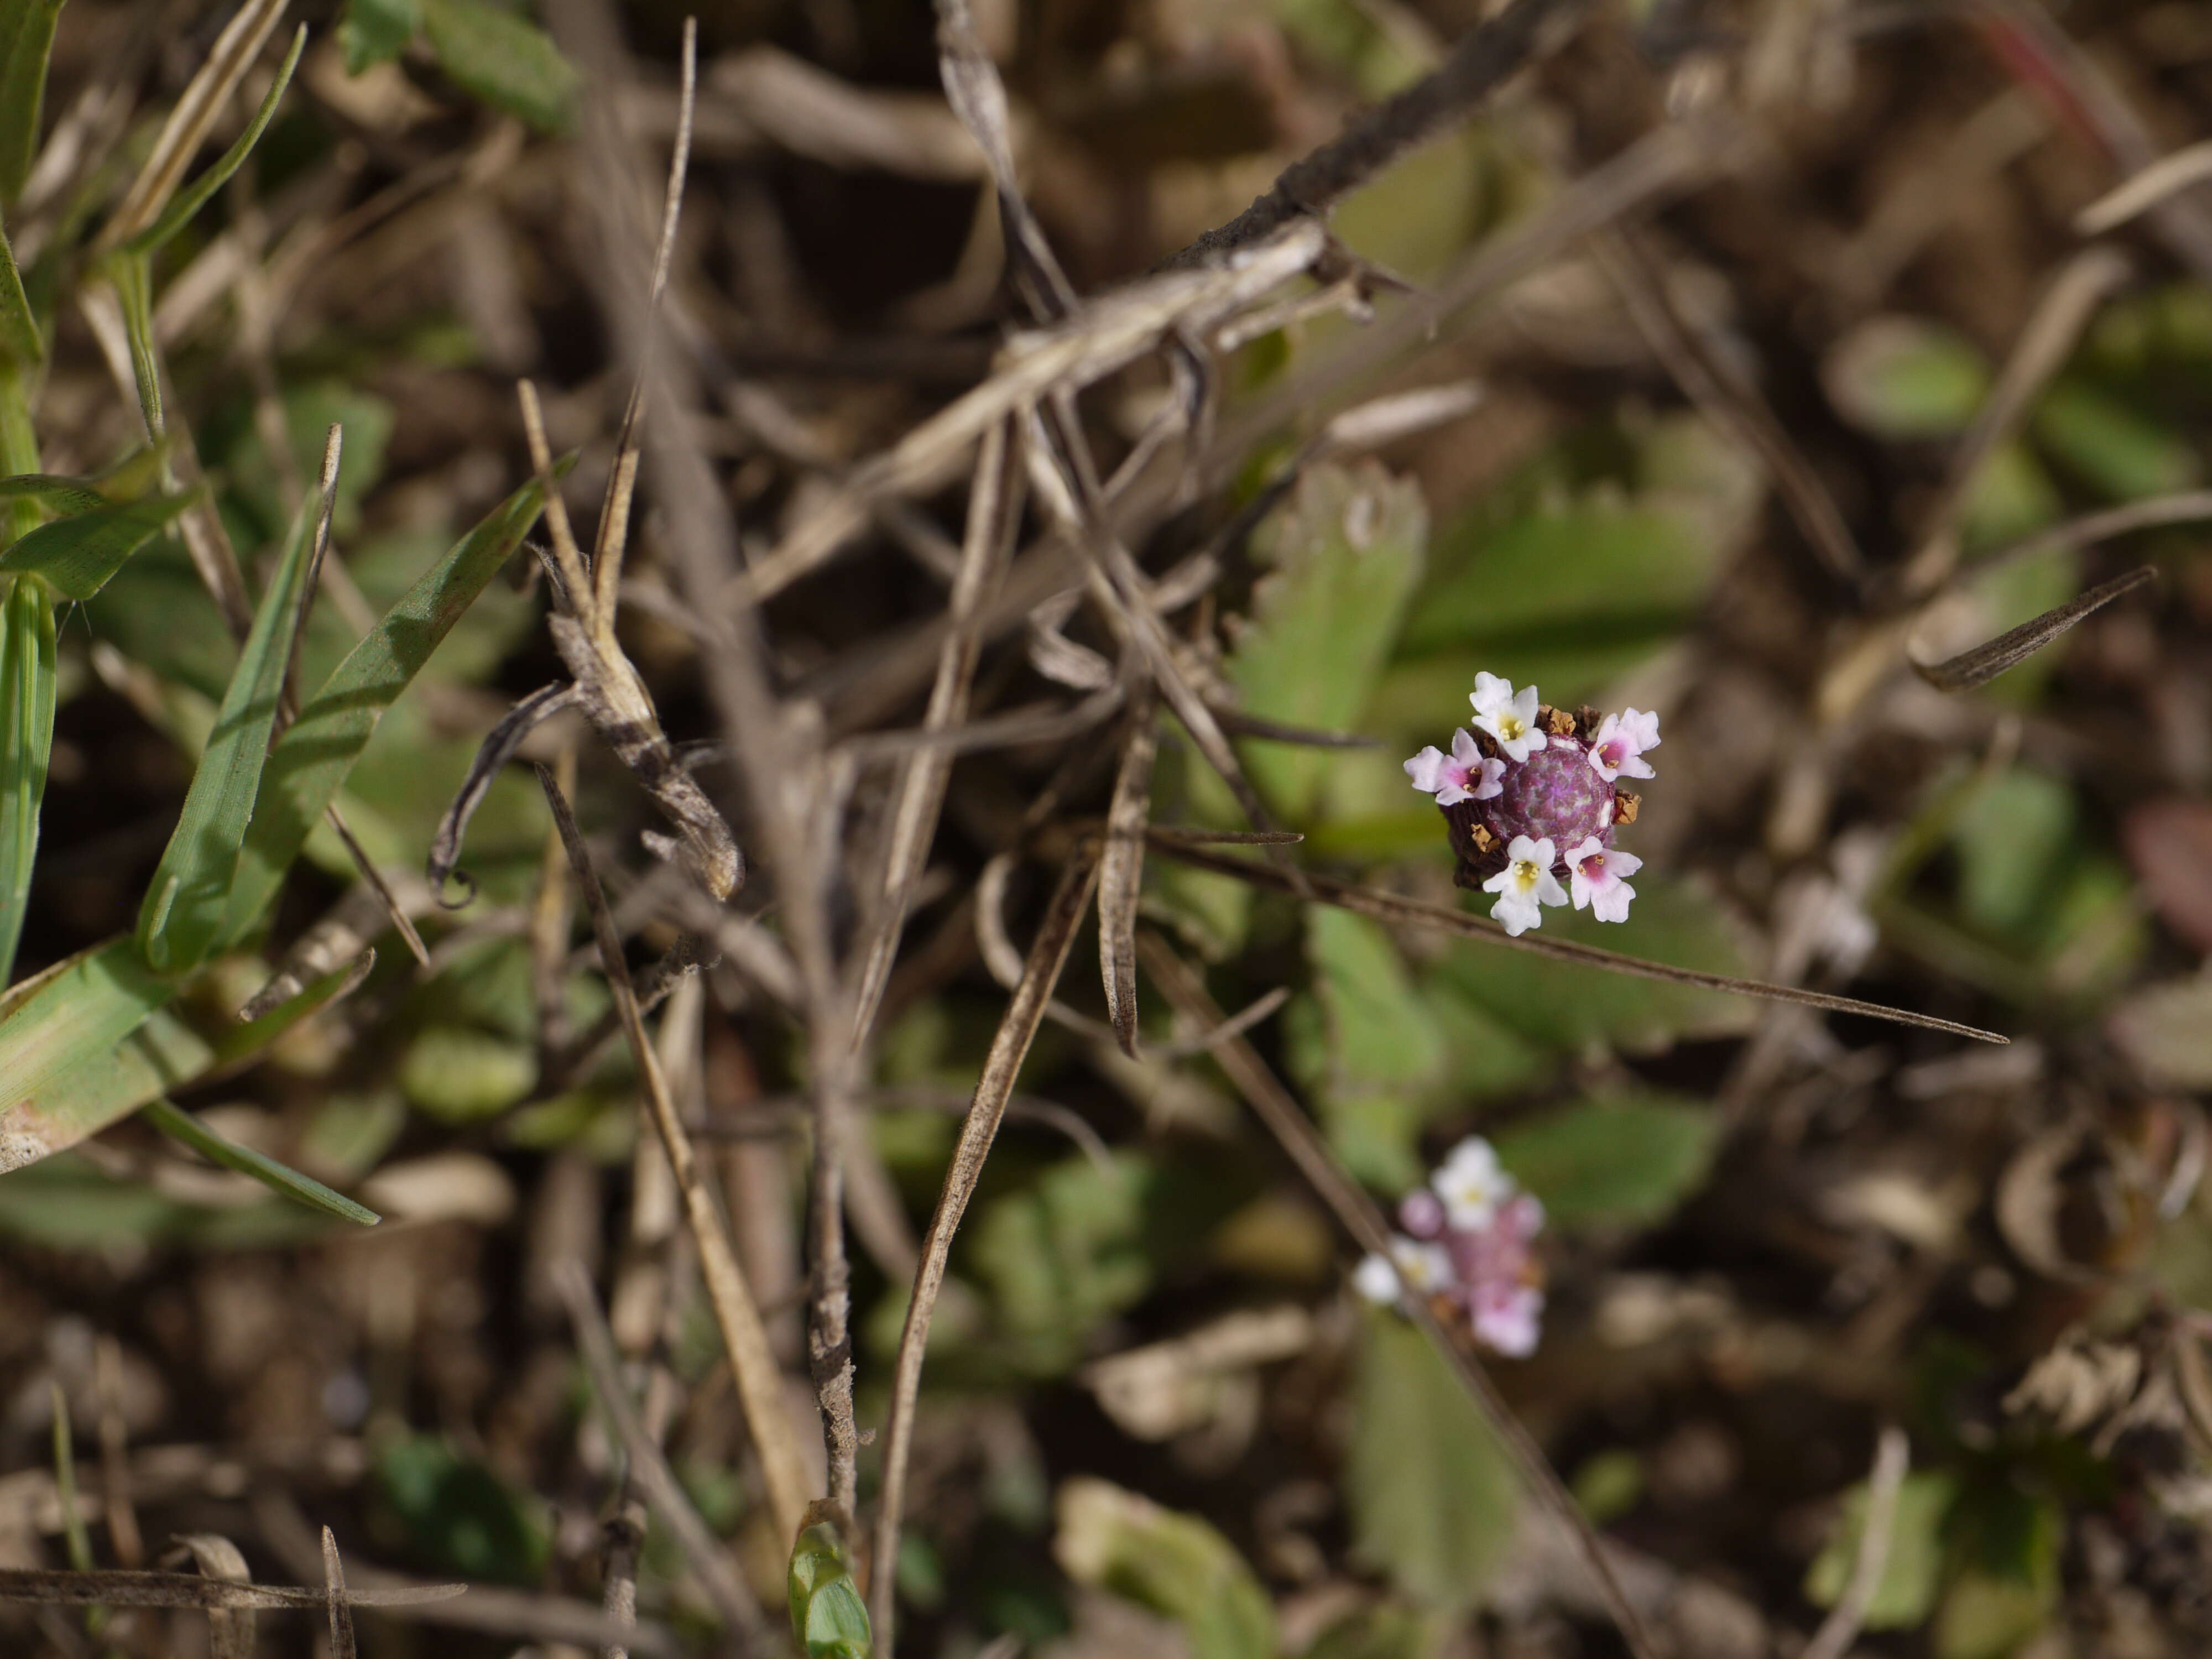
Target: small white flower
{"type": "Point", "coordinates": [1472, 1184]}
{"type": "Point", "coordinates": [1421, 1268]}
{"type": "Point", "coordinates": [1511, 719]}
{"type": "Point", "coordinates": [1616, 750]}
{"type": "Point", "coordinates": [1465, 775]}
{"type": "Point", "coordinates": [1597, 874]}
{"type": "Point", "coordinates": [1525, 886]}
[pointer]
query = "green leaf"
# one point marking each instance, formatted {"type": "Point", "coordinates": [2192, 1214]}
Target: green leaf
{"type": "Point", "coordinates": [1177, 1564]}
{"type": "Point", "coordinates": [1913, 1572]}
{"type": "Point", "coordinates": [377, 31]}
{"type": "Point", "coordinates": [1344, 555]}
{"type": "Point", "coordinates": [66, 1070]}
{"type": "Point", "coordinates": [180, 921]}
{"type": "Point", "coordinates": [311, 761]}
{"type": "Point", "coordinates": [497, 56]}
{"type": "Point", "coordinates": [26, 38]}
{"type": "Point", "coordinates": [2110, 446]}
{"type": "Point", "coordinates": [1060, 1256]}
{"type": "Point", "coordinates": [1617, 1160]}
{"type": "Point", "coordinates": [21, 346]}
{"type": "Point", "coordinates": [828, 1620]}
{"type": "Point", "coordinates": [462, 1076]}
{"type": "Point", "coordinates": [1563, 1006]}
{"type": "Point", "coordinates": [2008, 1586]}
{"type": "Point", "coordinates": [190, 200]}
{"type": "Point", "coordinates": [1379, 1050]}
{"type": "Point", "coordinates": [133, 276]}
{"type": "Point", "coordinates": [1430, 1491]}
{"type": "Point", "coordinates": [453, 1515]}
{"type": "Point", "coordinates": [79, 556]}
{"type": "Point", "coordinates": [1906, 378]}
{"type": "Point", "coordinates": [182, 1126]}
{"type": "Point", "coordinates": [27, 739]}
{"type": "Point", "coordinates": [2012, 839]}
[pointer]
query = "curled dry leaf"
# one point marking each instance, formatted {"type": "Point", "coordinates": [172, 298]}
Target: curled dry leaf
{"type": "Point", "coordinates": [230, 1630]}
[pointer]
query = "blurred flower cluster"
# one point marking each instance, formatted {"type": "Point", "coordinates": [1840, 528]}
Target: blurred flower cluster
{"type": "Point", "coordinates": [1467, 1243]}
{"type": "Point", "coordinates": [1532, 795]}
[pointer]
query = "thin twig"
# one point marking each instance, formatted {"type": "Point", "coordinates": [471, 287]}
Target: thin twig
{"type": "Point", "coordinates": [759, 1380]}
{"type": "Point", "coordinates": [1001, 1066]}
{"type": "Point", "coordinates": [1406, 912]}
{"type": "Point", "coordinates": [2060, 315]}
{"type": "Point", "coordinates": [1485, 58]}
{"type": "Point", "coordinates": [739, 1607]}
{"type": "Point", "coordinates": [1357, 1213]}
{"type": "Point", "coordinates": [1891, 1456]}
{"type": "Point", "coordinates": [1121, 870]}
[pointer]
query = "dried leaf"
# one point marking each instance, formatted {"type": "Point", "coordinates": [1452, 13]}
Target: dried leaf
{"type": "Point", "coordinates": [1985, 662]}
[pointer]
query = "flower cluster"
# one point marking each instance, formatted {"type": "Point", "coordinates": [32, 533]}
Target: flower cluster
{"type": "Point", "coordinates": [1467, 1243]}
{"type": "Point", "coordinates": [1532, 795]}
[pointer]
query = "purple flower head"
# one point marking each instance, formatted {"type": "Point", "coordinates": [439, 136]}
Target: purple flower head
{"type": "Point", "coordinates": [1474, 1228]}
{"type": "Point", "coordinates": [1532, 802]}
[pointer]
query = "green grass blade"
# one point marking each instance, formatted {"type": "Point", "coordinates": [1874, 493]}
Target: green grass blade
{"type": "Point", "coordinates": [84, 1043]}
{"type": "Point", "coordinates": [27, 739]}
{"type": "Point", "coordinates": [63, 495]}
{"type": "Point", "coordinates": [21, 347]}
{"type": "Point", "coordinates": [77, 555]}
{"type": "Point", "coordinates": [133, 277]}
{"type": "Point", "coordinates": [194, 197]}
{"type": "Point", "coordinates": [277, 1177]}
{"type": "Point", "coordinates": [311, 763]}
{"type": "Point", "coordinates": [27, 37]}
{"type": "Point", "coordinates": [181, 920]}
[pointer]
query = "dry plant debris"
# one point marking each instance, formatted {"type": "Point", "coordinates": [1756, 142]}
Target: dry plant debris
{"type": "Point", "coordinates": [719, 1221]}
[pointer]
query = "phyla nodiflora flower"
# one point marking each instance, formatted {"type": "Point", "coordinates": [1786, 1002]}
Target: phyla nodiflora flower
{"type": "Point", "coordinates": [1531, 798]}
{"type": "Point", "coordinates": [1467, 1248]}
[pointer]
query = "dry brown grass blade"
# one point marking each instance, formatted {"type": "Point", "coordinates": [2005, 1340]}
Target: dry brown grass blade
{"type": "Point", "coordinates": [1039, 723]}
{"type": "Point", "coordinates": [1728, 401]}
{"type": "Point", "coordinates": [2145, 189]}
{"type": "Point", "coordinates": [1107, 333]}
{"type": "Point", "coordinates": [613, 538]}
{"type": "Point", "coordinates": [709, 1561]}
{"type": "Point", "coordinates": [1891, 1458]}
{"type": "Point", "coordinates": [994, 522]}
{"type": "Point", "coordinates": [497, 748]}
{"type": "Point", "coordinates": [2070, 535]}
{"type": "Point", "coordinates": [759, 1379]}
{"type": "Point", "coordinates": [374, 883]}
{"type": "Point", "coordinates": [1414, 912]}
{"type": "Point", "coordinates": [190, 122]}
{"type": "Point", "coordinates": [1481, 61]}
{"type": "Point", "coordinates": [118, 1588]}
{"type": "Point", "coordinates": [1357, 1213]}
{"type": "Point", "coordinates": [612, 695]}
{"type": "Point", "coordinates": [978, 97]}
{"type": "Point", "coordinates": [2060, 315]}
{"type": "Point", "coordinates": [230, 1630]}
{"type": "Point", "coordinates": [1001, 1066]}
{"type": "Point", "coordinates": [334, 1589]}
{"type": "Point", "coordinates": [2008, 650]}
{"type": "Point", "coordinates": [1121, 870]}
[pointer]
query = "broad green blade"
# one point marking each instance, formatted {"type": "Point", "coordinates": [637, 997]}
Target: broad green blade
{"type": "Point", "coordinates": [66, 1070]}
{"type": "Point", "coordinates": [194, 197]}
{"type": "Point", "coordinates": [27, 35]}
{"type": "Point", "coordinates": [319, 750]}
{"type": "Point", "coordinates": [62, 495]}
{"type": "Point", "coordinates": [20, 347]}
{"type": "Point", "coordinates": [27, 739]}
{"type": "Point", "coordinates": [277, 1177]}
{"type": "Point", "coordinates": [181, 920]}
{"type": "Point", "coordinates": [77, 555]}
